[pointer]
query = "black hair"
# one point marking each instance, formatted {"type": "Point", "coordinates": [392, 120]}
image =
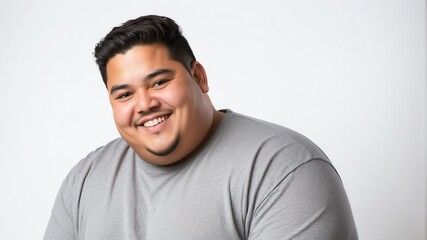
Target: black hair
{"type": "Point", "coordinates": [149, 29]}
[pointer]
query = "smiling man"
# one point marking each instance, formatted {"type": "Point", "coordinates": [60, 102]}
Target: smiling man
{"type": "Point", "coordinates": [160, 108]}
{"type": "Point", "coordinates": [184, 170]}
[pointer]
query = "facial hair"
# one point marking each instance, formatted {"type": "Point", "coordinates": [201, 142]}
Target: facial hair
{"type": "Point", "coordinates": [166, 151]}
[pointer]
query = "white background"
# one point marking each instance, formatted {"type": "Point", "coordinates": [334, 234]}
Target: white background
{"type": "Point", "coordinates": [350, 75]}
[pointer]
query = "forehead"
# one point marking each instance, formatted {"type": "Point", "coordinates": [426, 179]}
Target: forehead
{"type": "Point", "coordinates": [138, 62]}
{"type": "Point", "coordinates": [140, 54]}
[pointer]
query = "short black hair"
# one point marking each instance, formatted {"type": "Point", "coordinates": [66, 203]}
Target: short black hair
{"type": "Point", "coordinates": [148, 29]}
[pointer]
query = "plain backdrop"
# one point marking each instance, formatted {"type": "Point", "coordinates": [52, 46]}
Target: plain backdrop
{"type": "Point", "coordinates": [350, 75]}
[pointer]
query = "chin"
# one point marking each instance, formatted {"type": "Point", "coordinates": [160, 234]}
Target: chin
{"type": "Point", "coordinates": [165, 151]}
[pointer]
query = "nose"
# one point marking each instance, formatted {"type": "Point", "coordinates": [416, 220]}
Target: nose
{"type": "Point", "coordinates": [146, 102]}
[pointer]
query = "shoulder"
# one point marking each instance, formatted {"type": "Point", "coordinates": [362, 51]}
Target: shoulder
{"type": "Point", "coordinates": [284, 168]}
{"type": "Point", "coordinates": [265, 153]}
{"type": "Point", "coordinates": [96, 167]}
{"type": "Point", "coordinates": [271, 137]}
{"type": "Point", "coordinates": [96, 164]}
{"type": "Point", "coordinates": [103, 155]}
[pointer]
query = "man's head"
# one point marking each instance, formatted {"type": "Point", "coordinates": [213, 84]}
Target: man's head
{"type": "Point", "coordinates": [144, 30]}
{"type": "Point", "coordinates": [157, 90]}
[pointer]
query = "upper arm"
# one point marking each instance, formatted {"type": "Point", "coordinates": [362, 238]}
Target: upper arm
{"type": "Point", "coordinates": [310, 203]}
{"type": "Point", "coordinates": [61, 225]}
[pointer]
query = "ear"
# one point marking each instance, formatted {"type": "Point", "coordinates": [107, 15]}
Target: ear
{"type": "Point", "coordinates": [200, 77]}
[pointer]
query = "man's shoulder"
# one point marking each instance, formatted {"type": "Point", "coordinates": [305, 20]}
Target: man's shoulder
{"type": "Point", "coordinates": [113, 147]}
{"type": "Point", "coordinates": [102, 158]}
{"type": "Point", "coordinates": [264, 127]}
{"type": "Point", "coordinates": [249, 128]}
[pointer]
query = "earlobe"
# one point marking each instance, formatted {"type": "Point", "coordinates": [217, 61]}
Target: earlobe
{"type": "Point", "coordinates": [199, 75]}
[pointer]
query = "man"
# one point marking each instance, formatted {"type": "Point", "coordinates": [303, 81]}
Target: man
{"type": "Point", "coordinates": [183, 170]}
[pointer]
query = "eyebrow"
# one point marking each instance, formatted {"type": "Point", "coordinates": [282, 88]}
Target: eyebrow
{"type": "Point", "coordinates": [146, 79]}
{"type": "Point", "coordinates": [156, 73]}
{"type": "Point", "coordinates": [118, 87]}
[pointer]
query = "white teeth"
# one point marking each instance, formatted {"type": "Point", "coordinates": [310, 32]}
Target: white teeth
{"type": "Point", "coordinates": [154, 122]}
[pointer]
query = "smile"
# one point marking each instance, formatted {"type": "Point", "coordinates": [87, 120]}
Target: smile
{"type": "Point", "coordinates": [154, 122]}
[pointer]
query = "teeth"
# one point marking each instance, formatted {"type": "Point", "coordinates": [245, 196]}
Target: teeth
{"type": "Point", "coordinates": [154, 122]}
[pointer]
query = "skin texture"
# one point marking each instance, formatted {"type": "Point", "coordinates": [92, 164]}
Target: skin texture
{"type": "Point", "coordinates": [144, 84]}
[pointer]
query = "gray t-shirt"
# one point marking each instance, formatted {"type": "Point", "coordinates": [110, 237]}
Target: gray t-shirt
{"type": "Point", "coordinates": [251, 180]}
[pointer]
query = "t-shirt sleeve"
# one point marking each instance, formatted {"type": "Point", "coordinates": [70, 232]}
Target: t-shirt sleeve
{"type": "Point", "coordinates": [61, 225]}
{"type": "Point", "coordinates": [310, 203]}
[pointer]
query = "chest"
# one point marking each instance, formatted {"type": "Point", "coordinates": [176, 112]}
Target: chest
{"type": "Point", "coordinates": [196, 206]}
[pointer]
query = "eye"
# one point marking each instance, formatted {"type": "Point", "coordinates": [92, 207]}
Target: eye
{"type": "Point", "coordinates": [159, 83]}
{"type": "Point", "coordinates": [124, 95]}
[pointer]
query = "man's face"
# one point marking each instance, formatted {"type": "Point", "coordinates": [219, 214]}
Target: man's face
{"type": "Point", "coordinates": [160, 109]}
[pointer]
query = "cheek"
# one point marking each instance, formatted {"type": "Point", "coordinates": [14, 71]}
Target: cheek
{"type": "Point", "coordinates": [122, 114]}
{"type": "Point", "coordinates": [177, 95]}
